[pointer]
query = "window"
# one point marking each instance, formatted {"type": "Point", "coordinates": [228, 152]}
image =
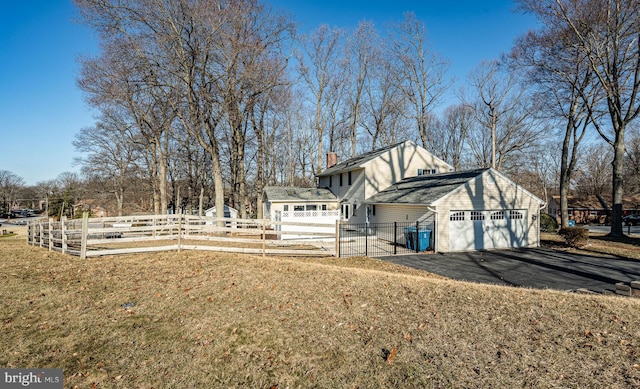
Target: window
{"type": "Point", "coordinates": [330, 181]}
{"type": "Point", "coordinates": [355, 207]}
{"type": "Point", "coordinates": [424, 172]}
{"type": "Point", "coordinates": [456, 216]}
{"type": "Point", "coordinates": [349, 178]}
{"type": "Point", "coordinates": [298, 208]}
{"type": "Point", "coordinates": [345, 211]}
{"type": "Point", "coordinates": [340, 179]}
{"type": "Point", "coordinates": [312, 207]}
{"type": "Point", "coordinates": [373, 210]}
{"type": "Point", "coordinates": [286, 207]}
{"type": "Point", "coordinates": [516, 215]}
{"type": "Point", "coordinates": [323, 207]}
{"type": "Point", "coordinates": [498, 215]}
{"type": "Point", "coordinates": [477, 215]}
{"type": "Point", "coordinates": [593, 213]}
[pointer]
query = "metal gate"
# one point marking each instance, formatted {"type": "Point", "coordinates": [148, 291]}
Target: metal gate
{"type": "Point", "coordinates": [383, 239]}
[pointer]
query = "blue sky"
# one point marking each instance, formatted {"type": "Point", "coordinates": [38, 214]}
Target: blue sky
{"type": "Point", "coordinates": [41, 108]}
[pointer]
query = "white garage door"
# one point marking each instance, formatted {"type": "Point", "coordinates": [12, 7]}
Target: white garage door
{"type": "Point", "coordinates": [487, 229]}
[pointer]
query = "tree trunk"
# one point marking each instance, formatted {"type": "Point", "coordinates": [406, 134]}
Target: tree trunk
{"type": "Point", "coordinates": [258, 128]}
{"type": "Point", "coordinates": [617, 184]}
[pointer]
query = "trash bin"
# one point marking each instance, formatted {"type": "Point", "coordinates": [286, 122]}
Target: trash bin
{"type": "Point", "coordinates": [421, 239]}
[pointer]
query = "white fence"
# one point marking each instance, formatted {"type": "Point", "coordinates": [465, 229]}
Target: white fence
{"type": "Point", "coordinates": [92, 237]}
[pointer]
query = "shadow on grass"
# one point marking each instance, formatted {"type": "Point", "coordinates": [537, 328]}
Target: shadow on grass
{"type": "Point", "coordinates": [631, 240]}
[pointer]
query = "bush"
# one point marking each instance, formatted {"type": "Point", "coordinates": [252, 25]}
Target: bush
{"type": "Point", "coordinates": [548, 223]}
{"type": "Point", "coordinates": [575, 236]}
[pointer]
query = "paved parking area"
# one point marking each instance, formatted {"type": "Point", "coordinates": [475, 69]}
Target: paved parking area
{"type": "Point", "coordinates": [539, 268]}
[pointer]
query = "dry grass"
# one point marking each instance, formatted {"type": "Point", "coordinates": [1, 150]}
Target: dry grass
{"type": "Point", "coordinates": [205, 320]}
{"type": "Point", "coordinates": [600, 244]}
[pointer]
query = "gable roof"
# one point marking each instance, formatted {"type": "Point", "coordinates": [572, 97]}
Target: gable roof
{"type": "Point", "coordinates": [424, 189]}
{"type": "Point", "coordinates": [226, 208]}
{"type": "Point", "coordinates": [292, 193]}
{"type": "Point", "coordinates": [358, 161]}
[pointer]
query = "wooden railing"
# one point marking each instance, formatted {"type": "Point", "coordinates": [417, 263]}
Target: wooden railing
{"type": "Point", "coordinates": [92, 237]}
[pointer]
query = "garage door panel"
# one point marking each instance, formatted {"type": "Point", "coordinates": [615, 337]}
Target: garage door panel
{"type": "Point", "coordinates": [486, 229]}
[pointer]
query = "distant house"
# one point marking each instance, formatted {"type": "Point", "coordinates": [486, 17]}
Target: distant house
{"type": "Point", "coordinates": [593, 209]}
{"type": "Point", "coordinates": [229, 213]}
{"type": "Point", "coordinates": [582, 209]}
{"type": "Point", "coordinates": [90, 205]}
{"type": "Point", "coordinates": [631, 204]}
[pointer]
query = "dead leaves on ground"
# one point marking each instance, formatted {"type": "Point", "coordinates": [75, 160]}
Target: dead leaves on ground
{"type": "Point", "coordinates": [389, 355]}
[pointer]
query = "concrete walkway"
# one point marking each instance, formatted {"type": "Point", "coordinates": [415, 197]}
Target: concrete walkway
{"type": "Point", "coordinates": [533, 268]}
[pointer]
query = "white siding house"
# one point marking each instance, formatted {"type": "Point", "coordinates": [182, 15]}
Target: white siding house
{"type": "Point", "coordinates": [470, 210]}
{"type": "Point", "coordinates": [356, 179]}
{"type": "Point", "coordinates": [473, 210]}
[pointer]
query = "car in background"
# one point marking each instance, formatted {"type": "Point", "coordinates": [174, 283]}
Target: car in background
{"type": "Point", "coordinates": [632, 220]}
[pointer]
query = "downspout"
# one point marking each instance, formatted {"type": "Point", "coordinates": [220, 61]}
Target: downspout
{"type": "Point", "coordinates": [543, 206]}
{"type": "Point", "coordinates": [435, 227]}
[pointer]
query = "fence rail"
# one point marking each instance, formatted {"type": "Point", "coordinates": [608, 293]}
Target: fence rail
{"type": "Point", "coordinates": [93, 237]}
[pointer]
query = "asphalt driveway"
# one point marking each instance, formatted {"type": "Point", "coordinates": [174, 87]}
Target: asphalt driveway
{"type": "Point", "coordinates": [539, 268]}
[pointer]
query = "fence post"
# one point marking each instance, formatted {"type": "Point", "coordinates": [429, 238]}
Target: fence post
{"type": "Point", "coordinates": [395, 238]}
{"type": "Point", "coordinates": [50, 234]}
{"type": "Point", "coordinates": [63, 229]}
{"type": "Point", "coordinates": [337, 238]}
{"type": "Point", "coordinates": [417, 236]}
{"type": "Point", "coordinates": [179, 232]}
{"type": "Point", "coordinates": [41, 231]}
{"type": "Point", "coordinates": [366, 242]}
{"type": "Point", "coordinates": [83, 236]}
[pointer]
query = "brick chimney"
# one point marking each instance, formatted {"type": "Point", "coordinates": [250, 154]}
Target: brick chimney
{"type": "Point", "coordinates": [332, 159]}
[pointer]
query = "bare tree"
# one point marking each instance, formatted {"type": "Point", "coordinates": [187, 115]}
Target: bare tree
{"type": "Point", "coordinates": [568, 89]}
{"type": "Point", "coordinates": [504, 113]}
{"type": "Point", "coordinates": [363, 52]}
{"type": "Point", "coordinates": [124, 77]}
{"type": "Point", "coordinates": [111, 151]}
{"type": "Point", "coordinates": [10, 183]}
{"type": "Point", "coordinates": [320, 66]}
{"type": "Point", "coordinates": [607, 32]}
{"type": "Point", "coordinates": [384, 107]}
{"type": "Point", "coordinates": [419, 72]}
{"type": "Point", "coordinates": [450, 134]}
{"type": "Point", "coordinates": [593, 176]}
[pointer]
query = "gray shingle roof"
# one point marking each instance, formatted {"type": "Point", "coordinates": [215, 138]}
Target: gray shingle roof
{"type": "Point", "coordinates": [357, 161]}
{"type": "Point", "coordinates": [424, 189]}
{"type": "Point", "coordinates": [289, 193]}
